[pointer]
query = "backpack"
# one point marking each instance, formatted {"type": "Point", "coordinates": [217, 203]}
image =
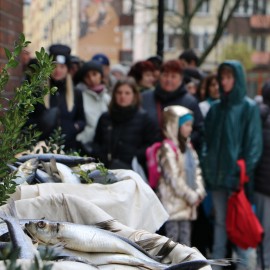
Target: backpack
{"type": "Point", "coordinates": [242, 225]}
{"type": "Point", "coordinates": [152, 161]}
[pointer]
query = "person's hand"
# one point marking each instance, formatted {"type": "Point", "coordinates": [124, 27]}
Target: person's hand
{"type": "Point", "coordinates": [198, 202]}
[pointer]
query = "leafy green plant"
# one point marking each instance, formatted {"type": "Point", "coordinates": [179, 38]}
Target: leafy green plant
{"type": "Point", "coordinates": [9, 256]}
{"type": "Point", "coordinates": [14, 112]}
{"type": "Point", "coordinates": [54, 144]}
{"type": "Point", "coordinates": [103, 170]}
{"type": "Point", "coordinates": [84, 175]}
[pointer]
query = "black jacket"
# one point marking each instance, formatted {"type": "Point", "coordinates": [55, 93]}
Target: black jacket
{"type": "Point", "coordinates": [150, 100]}
{"type": "Point", "coordinates": [262, 173]}
{"type": "Point", "coordinates": [58, 115]}
{"type": "Point", "coordinates": [124, 139]}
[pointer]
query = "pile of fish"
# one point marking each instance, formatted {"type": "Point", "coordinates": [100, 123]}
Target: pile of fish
{"type": "Point", "coordinates": [56, 168]}
{"type": "Point", "coordinates": [95, 245]}
{"type": "Point", "coordinates": [90, 244]}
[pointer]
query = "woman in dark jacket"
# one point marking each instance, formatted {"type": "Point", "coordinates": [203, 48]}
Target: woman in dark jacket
{"type": "Point", "coordinates": [63, 109]}
{"type": "Point", "coordinates": [125, 131]}
{"type": "Point", "coordinates": [262, 176]}
{"type": "Point", "coordinates": [171, 91]}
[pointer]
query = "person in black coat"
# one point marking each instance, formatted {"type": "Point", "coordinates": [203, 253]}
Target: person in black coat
{"type": "Point", "coordinates": [125, 131]}
{"type": "Point", "coordinates": [64, 108]}
{"type": "Point", "coordinates": [171, 91]}
{"type": "Point", "coordinates": [262, 176]}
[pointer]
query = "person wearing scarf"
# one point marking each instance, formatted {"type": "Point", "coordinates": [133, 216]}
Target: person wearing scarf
{"type": "Point", "coordinates": [95, 99]}
{"type": "Point", "coordinates": [171, 91]}
{"type": "Point", "coordinates": [125, 131]}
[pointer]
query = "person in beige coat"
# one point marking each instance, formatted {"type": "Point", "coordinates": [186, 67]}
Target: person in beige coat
{"type": "Point", "coordinates": [180, 187]}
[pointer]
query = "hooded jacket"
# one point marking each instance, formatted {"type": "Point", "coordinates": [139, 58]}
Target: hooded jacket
{"type": "Point", "coordinates": [232, 132]}
{"type": "Point", "coordinates": [176, 195]}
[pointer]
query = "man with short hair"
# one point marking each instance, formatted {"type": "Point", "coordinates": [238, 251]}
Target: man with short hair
{"type": "Point", "coordinates": [232, 132]}
{"type": "Point", "coordinates": [188, 58]}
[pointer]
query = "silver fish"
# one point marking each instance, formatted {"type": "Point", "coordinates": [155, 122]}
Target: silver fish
{"type": "Point", "coordinates": [84, 238]}
{"type": "Point", "coordinates": [26, 171]}
{"type": "Point", "coordinates": [43, 177]}
{"type": "Point", "coordinates": [98, 177]}
{"type": "Point", "coordinates": [66, 174]}
{"type": "Point", "coordinates": [4, 228]}
{"type": "Point", "coordinates": [101, 259]}
{"type": "Point", "coordinates": [65, 159]}
{"type": "Point", "coordinates": [94, 240]}
{"type": "Point", "coordinates": [18, 237]}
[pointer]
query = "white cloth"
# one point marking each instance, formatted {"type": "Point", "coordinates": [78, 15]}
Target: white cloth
{"type": "Point", "coordinates": [70, 208]}
{"type": "Point", "coordinates": [131, 200]}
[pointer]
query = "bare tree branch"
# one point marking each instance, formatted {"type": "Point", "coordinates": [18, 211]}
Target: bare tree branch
{"type": "Point", "coordinates": [196, 8]}
{"type": "Point", "coordinates": [183, 21]}
{"type": "Point", "coordinates": [222, 24]}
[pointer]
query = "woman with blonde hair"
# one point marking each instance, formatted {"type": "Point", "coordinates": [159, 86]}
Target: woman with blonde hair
{"type": "Point", "coordinates": [64, 108]}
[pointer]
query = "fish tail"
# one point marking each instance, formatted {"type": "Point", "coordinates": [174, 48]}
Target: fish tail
{"type": "Point", "coordinates": [197, 264]}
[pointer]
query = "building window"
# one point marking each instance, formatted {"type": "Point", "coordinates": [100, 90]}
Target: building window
{"type": "Point", "coordinates": [170, 5]}
{"type": "Point", "coordinates": [170, 42]}
{"type": "Point", "coordinates": [260, 7]}
{"type": "Point", "coordinates": [200, 41]}
{"type": "Point", "coordinates": [258, 43]}
{"type": "Point", "coordinates": [127, 39]}
{"type": "Point", "coordinates": [204, 8]}
{"type": "Point", "coordinates": [245, 8]}
{"type": "Point", "coordinates": [127, 7]}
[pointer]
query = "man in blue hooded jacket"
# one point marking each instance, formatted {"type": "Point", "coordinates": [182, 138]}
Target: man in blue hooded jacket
{"type": "Point", "coordinates": [232, 132]}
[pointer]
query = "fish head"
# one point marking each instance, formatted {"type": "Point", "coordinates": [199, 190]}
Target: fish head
{"type": "Point", "coordinates": [43, 230]}
{"type": "Point", "coordinates": [29, 166]}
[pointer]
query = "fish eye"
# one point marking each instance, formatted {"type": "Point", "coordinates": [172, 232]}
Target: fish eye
{"type": "Point", "coordinates": [41, 224]}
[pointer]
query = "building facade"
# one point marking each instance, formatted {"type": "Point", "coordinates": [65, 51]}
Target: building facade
{"type": "Point", "coordinates": [11, 13]}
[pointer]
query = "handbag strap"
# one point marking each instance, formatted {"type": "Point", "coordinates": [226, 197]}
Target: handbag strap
{"type": "Point", "coordinates": [243, 173]}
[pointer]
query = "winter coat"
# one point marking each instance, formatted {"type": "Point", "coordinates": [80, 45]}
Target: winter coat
{"type": "Point", "coordinates": [122, 139]}
{"type": "Point", "coordinates": [68, 115]}
{"type": "Point", "coordinates": [262, 173]}
{"type": "Point", "coordinates": [94, 105]}
{"type": "Point", "coordinates": [151, 99]}
{"type": "Point", "coordinates": [176, 194]}
{"type": "Point", "coordinates": [232, 132]}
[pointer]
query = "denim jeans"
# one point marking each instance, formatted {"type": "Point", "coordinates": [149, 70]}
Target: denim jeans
{"type": "Point", "coordinates": [220, 199]}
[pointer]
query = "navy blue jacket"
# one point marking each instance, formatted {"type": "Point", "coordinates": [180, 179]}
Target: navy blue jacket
{"type": "Point", "coordinates": [180, 97]}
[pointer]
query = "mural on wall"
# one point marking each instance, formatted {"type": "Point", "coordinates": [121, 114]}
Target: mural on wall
{"type": "Point", "coordinates": [98, 29]}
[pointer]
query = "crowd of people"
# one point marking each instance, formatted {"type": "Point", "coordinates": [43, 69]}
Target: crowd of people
{"type": "Point", "coordinates": [114, 113]}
